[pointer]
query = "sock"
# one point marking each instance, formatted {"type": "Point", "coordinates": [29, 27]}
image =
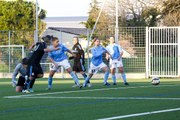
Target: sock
{"type": "Point", "coordinates": [123, 75]}
{"type": "Point", "coordinates": [32, 83]}
{"type": "Point", "coordinates": [75, 78]}
{"type": "Point", "coordinates": [106, 75]}
{"type": "Point", "coordinates": [50, 79]}
{"type": "Point", "coordinates": [87, 79]}
{"type": "Point", "coordinates": [27, 84]}
{"type": "Point", "coordinates": [114, 78]}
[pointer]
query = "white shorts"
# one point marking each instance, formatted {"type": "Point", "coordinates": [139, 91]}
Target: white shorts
{"type": "Point", "coordinates": [94, 69]}
{"type": "Point", "coordinates": [63, 63]}
{"type": "Point", "coordinates": [116, 63]}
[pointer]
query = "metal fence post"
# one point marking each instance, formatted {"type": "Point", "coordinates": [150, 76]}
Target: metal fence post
{"type": "Point", "coordinates": [9, 43]}
{"type": "Point", "coordinates": [147, 52]}
{"type": "Point", "coordinates": [179, 51]}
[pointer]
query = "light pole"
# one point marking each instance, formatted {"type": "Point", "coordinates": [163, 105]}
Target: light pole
{"type": "Point", "coordinates": [36, 31]}
{"type": "Point", "coordinates": [117, 27]}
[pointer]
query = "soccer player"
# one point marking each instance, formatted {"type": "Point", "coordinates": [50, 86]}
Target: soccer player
{"type": "Point", "coordinates": [34, 67]}
{"type": "Point", "coordinates": [116, 61]}
{"type": "Point", "coordinates": [59, 58]}
{"type": "Point", "coordinates": [22, 69]}
{"type": "Point", "coordinates": [97, 62]}
{"type": "Point", "coordinates": [79, 60]}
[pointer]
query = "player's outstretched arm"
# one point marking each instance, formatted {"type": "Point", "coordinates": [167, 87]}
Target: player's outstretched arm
{"type": "Point", "coordinates": [32, 46]}
{"type": "Point", "coordinates": [71, 53]}
{"type": "Point", "coordinates": [50, 50]}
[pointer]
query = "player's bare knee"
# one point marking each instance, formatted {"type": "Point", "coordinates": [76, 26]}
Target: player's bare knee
{"type": "Point", "coordinates": [40, 75]}
{"type": "Point", "coordinates": [19, 89]}
{"type": "Point", "coordinates": [121, 70]}
{"type": "Point", "coordinates": [69, 70]}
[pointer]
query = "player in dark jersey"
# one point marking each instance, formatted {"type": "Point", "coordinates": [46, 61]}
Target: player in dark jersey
{"type": "Point", "coordinates": [34, 67]}
{"type": "Point", "coordinates": [79, 60]}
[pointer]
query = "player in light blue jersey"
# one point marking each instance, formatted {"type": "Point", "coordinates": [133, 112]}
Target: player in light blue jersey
{"type": "Point", "coordinates": [116, 52]}
{"type": "Point", "coordinates": [97, 62]}
{"type": "Point", "coordinates": [59, 58]}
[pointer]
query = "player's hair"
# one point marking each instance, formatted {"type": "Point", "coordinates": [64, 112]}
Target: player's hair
{"type": "Point", "coordinates": [76, 38]}
{"type": "Point", "coordinates": [54, 39]}
{"type": "Point", "coordinates": [25, 61]}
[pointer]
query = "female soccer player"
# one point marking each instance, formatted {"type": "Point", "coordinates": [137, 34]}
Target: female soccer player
{"type": "Point", "coordinates": [116, 61]}
{"type": "Point", "coordinates": [22, 69]}
{"type": "Point", "coordinates": [59, 58]}
{"type": "Point", "coordinates": [97, 62]}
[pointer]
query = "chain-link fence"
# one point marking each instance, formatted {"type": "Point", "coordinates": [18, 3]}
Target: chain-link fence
{"type": "Point", "coordinates": [132, 40]}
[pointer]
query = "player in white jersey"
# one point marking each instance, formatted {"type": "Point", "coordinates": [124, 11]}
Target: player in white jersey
{"type": "Point", "coordinates": [116, 61]}
{"type": "Point", "coordinates": [97, 62]}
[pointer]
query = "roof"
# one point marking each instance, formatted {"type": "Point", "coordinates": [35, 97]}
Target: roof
{"type": "Point", "coordinates": [75, 31]}
{"type": "Point", "coordinates": [61, 19]}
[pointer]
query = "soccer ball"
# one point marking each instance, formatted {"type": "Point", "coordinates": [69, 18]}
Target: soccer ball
{"type": "Point", "coordinates": [155, 81]}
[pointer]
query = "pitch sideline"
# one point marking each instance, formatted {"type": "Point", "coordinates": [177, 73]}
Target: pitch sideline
{"type": "Point", "coordinates": [77, 91]}
{"type": "Point", "coordinates": [140, 114]}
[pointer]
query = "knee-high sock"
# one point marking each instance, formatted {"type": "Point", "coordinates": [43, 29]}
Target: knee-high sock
{"type": "Point", "coordinates": [27, 84]}
{"type": "Point", "coordinates": [50, 79]}
{"type": "Point", "coordinates": [32, 83]}
{"type": "Point", "coordinates": [114, 78]}
{"type": "Point", "coordinates": [106, 75]}
{"type": "Point", "coordinates": [75, 78]}
{"type": "Point", "coordinates": [123, 75]}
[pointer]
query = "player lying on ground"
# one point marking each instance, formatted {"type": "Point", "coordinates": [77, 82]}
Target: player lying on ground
{"type": "Point", "coordinates": [79, 60]}
{"type": "Point", "coordinates": [34, 67]}
{"type": "Point", "coordinates": [97, 62]}
{"type": "Point", "coordinates": [59, 58]}
{"type": "Point", "coordinates": [116, 52]}
{"type": "Point", "coordinates": [22, 69]}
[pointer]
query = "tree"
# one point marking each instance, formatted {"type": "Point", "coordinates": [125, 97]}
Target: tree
{"type": "Point", "coordinates": [171, 12]}
{"type": "Point", "coordinates": [19, 16]}
{"type": "Point", "coordinates": [103, 23]}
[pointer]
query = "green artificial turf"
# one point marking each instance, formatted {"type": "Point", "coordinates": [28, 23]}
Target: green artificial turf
{"type": "Point", "coordinates": [66, 103]}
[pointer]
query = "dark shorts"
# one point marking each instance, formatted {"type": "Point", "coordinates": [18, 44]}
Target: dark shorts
{"type": "Point", "coordinates": [21, 81]}
{"type": "Point", "coordinates": [34, 70]}
{"type": "Point", "coordinates": [79, 66]}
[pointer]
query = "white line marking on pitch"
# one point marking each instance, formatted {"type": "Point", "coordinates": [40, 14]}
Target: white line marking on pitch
{"type": "Point", "coordinates": [78, 91]}
{"type": "Point", "coordinates": [140, 114]}
{"type": "Point", "coordinates": [107, 98]}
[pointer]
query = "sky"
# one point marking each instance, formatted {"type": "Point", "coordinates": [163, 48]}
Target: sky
{"type": "Point", "coordinates": [59, 8]}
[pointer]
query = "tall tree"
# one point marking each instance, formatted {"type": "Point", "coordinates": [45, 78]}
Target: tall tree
{"type": "Point", "coordinates": [19, 15]}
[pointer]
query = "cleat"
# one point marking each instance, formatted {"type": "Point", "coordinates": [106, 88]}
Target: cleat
{"type": "Point", "coordinates": [89, 84]}
{"type": "Point", "coordinates": [84, 85]}
{"type": "Point", "coordinates": [31, 90]}
{"type": "Point", "coordinates": [114, 83]}
{"type": "Point", "coordinates": [25, 91]}
{"type": "Point", "coordinates": [126, 83]}
{"type": "Point", "coordinates": [107, 84]}
{"type": "Point", "coordinates": [75, 85]}
{"type": "Point", "coordinates": [48, 88]}
{"type": "Point", "coordinates": [80, 86]}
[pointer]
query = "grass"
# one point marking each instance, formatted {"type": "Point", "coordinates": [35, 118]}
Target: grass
{"type": "Point", "coordinates": [90, 103]}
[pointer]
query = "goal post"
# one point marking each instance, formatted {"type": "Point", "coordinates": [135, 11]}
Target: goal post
{"type": "Point", "coordinates": [9, 56]}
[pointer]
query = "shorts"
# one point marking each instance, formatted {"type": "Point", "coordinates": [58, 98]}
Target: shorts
{"type": "Point", "coordinates": [63, 63]}
{"type": "Point", "coordinates": [21, 81]}
{"type": "Point", "coordinates": [94, 69]}
{"type": "Point", "coordinates": [78, 66]}
{"type": "Point", "coordinates": [34, 70]}
{"type": "Point", "coordinates": [116, 63]}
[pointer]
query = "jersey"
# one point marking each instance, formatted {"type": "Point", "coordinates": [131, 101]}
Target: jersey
{"type": "Point", "coordinates": [97, 55]}
{"type": "Point", "coordinates": [19, 69]}
{"type": "Point", "coordinates": [37, 53]}
{"type": "Point", "coordinates": [59, 55]}
{"type": "Point", "coordinates": [77, 49]}
{"type": "Point", "coordinates": [115, 50]}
